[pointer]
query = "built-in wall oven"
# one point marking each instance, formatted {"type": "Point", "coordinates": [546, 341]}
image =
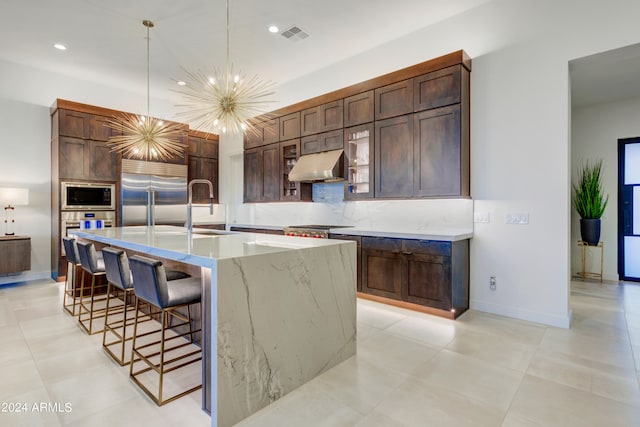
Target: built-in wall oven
{"type": "Point", "coordinates": [87, 196]}
{"type": "Point", "coordinates": [70, 220]}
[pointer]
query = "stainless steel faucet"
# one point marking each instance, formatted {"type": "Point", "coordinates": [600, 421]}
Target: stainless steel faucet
{"type": "Point", "coordinates": [198, 181]}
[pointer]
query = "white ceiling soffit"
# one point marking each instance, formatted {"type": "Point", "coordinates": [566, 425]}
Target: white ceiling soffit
{"type": "Point", "coordinates": [105, 39]}
{"type": "Point", "coordinates": [605, 77]}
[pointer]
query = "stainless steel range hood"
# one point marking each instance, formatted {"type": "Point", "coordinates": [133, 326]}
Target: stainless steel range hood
{"type": "Point", "coordinates": [325, 166]}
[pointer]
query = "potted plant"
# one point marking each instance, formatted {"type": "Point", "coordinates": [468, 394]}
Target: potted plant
{"type": "Point", "coordinates": [590, 201]}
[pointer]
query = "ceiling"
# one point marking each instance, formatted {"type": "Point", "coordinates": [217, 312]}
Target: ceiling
{"type": "Point", "coordinates": [605, 77]}
{"type": "Point", "coordinates": [106, 39]}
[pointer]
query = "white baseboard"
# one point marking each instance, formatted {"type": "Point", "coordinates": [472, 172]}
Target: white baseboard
{"type": "Point", "coordinates": [549, 319]}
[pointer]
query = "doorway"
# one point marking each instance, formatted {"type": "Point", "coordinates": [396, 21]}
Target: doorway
{"type": "Point", "coordinates": [629, 209]}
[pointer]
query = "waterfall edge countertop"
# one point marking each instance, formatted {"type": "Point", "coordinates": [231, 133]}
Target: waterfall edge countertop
{"type": "Point", "coordinates": [279, 310]}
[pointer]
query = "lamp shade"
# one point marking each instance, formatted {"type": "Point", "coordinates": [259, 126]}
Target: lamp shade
{"type": "Point", "coordinates": [14, 196]}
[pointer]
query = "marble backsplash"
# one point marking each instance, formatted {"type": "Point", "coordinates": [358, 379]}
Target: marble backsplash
{"type": "Point", "coordinates": [415, 215]}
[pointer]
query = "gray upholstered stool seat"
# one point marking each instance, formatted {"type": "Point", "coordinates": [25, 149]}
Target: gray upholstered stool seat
{"type": "Point", "coordinates": [151, 285]}
{"type": "Point", "coordinates": [120, 280]}
{"type": "Point", "coordinates": [93, 264]}
{"type": "Point", "coordinates": [71, 289]}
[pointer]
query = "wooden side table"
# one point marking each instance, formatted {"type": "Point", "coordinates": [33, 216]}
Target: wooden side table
{"type": "Point", "coordinates": [15, 254]}
{"type": "Point", "coordinates": [590, 274]}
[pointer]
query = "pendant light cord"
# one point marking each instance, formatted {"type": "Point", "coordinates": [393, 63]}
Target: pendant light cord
{"type": "Point", "coordinates": [227, 64]}
{"type": "Point", "coordinates": [148, 74]}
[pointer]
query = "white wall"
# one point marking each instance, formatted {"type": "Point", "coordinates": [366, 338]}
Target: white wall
{"type": "Point", "coordinates": [23, 127]}
{"type": "Point", "coordinates": [25, 143]}
{"type": "Point", "coordinates": [520, 133]}
{"type": "Point", "coordinates": [595, 133]}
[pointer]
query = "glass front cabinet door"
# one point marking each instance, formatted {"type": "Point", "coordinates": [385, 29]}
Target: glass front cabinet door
{"type": "Point", "coordinates": [358, 148]}
{"type": "Point", "coordinates": [289, 153]}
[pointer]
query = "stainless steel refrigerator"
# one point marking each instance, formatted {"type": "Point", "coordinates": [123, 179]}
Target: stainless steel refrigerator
{"type": "Point", "coordinates": [153, 193]}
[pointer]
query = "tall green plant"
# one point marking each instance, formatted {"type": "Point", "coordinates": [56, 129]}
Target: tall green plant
{"type": "Point", "coordinates": [588, 197]}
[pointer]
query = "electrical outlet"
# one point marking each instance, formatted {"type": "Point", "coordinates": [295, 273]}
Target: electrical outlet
{"type": "Point", "coordinates": [481, 217]}
{"type": "Point", "coordinates": [517, 218]}
{"type": "Point", "coordinates": [492, 283]}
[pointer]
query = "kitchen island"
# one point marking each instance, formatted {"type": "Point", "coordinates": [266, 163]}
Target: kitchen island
{"type": "Point", "coordinates": [281, 310]}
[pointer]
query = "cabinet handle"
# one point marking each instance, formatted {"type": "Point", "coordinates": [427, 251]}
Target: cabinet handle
{"type": "Point", "coordinates": [395, 252]}
{"type": "Point", "coordinates": [407, 253]}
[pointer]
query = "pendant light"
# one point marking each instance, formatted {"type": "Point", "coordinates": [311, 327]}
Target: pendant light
{"type": "Point", "coordinates": [145, 137]}
{"type": "Point", "coordinates": [224, 102]}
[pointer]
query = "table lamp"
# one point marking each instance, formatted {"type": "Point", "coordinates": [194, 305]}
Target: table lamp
{"type": "Point", "coordinates": [12, 197]}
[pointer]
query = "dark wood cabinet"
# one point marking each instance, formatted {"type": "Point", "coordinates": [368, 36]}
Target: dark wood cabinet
{"type": "Point", "coordinates": [291, 191]}
{"type": "Point", "coordinates": [73, 124]}
{"type": "Point", "coordinates": [359, 161]}
{"type": "Point", "coordinates": [203, 168]}
{"type": "Point", "coordinates": [290, 127]}
{"type": "Point", "coordinates": [382, 267]}
{"type": "Point", "coordinates": [86, 160]}
{"type": "Point", "coordinates": [326, 141]}
{"type": "Point", "coordinates": [437, 89]}
{"type": "Point", "coordinates": [98, 129]}
{"type": "Point", "coordinates": [262, 174]}
{"type": "Point", "coordinates": [322, 118]}
{"type": "Point", "coordinates": [262, 133]}
{"type": "Point", "coordinates": [428, 273]}
{"type": "Point", "coordinates": [358, 109]}
{"type": "Point", "coordinates": [420, 117]}
{"type": "Point", "coordinates": [203, 164]}
{"type": "Point", "coordinates": [15, 254]}
{"type": "Point", "coordinates": [394, 157]}
{"type": "Point", "coordinates": [437, 167]}
{"type": "Point", "coordinates": [394, 100]}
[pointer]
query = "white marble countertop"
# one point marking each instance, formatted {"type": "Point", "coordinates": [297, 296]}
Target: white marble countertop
{"type": "Point", "coordinates": [200, 247]}
{"type": "Point", "coordinates": [441, 234]}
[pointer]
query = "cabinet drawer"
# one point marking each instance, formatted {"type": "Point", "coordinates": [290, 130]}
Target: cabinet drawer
{"type": "Point", "coordinates": [437, 89]}
{"type": "Point", "coordinates": [427, 247]}
{"type": "Point", "coordinates": [382, 244]}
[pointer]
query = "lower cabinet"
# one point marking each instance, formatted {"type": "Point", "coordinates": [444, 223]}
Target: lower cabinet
{"type": "Point", "coordinates": [430, 273]}
{"type": "Point", "coordinates": [15, 254]}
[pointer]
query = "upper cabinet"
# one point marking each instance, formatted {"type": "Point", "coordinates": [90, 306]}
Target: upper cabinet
{"type": "Point", "coordinates": [203, 164]}
{"type": "Point", "coordinates": [358, 109]}
{"type": "Point", "coordinates": [290, 127]}
{"type": "Point", "coordinates": [405, 134]}
{"type": "Point", "coordinates": [322, 118]}
{"type": "Point", "coordinates": [394, 100]}
{"type": "Point", "coordinates": [437, 89]}
{"type": "Point", "coordinates": [262, 133]}
{"type": "Point", "coordinates": [80, 147]}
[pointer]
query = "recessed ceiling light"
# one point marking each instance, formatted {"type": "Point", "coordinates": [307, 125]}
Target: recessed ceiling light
{"type": "Point", "coordinates": [60, 46]}
{"type": "Point", "coordinates": [273, 29]}
{"type": "Point", "coordinates": [181, 83]}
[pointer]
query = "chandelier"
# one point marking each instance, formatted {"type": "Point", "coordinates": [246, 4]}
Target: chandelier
{"type": "Point", "coordinates": [145, 137]}
{"type": "Point", "coordinates": [224, 102]}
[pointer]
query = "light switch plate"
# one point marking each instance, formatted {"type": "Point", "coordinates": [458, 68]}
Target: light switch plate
{"type": "Point", "coordinates": [481, 217]}
{"type": "Point", "coordinates": [517, 218]}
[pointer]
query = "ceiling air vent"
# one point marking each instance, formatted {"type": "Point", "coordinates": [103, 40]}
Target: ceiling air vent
{"type": "Point", "coordinates": [295, 33]}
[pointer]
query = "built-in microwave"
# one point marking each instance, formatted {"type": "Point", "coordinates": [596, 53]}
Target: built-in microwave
{"type": "Point", "coordinates": [77, 196]}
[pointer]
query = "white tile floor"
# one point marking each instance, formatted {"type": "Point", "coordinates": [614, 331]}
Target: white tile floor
{"type": "Point", "coordinates": [411, 370]}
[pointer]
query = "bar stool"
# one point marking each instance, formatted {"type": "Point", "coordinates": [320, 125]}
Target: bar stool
{"type": "Point", "coordinates": [119, 279]}
{"type": "Point", "coordinates": [71, 285]}
{"type": "Point", "coordinates": [151, 285]}
{"type": "Point", "coordinates": [93, 264]}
